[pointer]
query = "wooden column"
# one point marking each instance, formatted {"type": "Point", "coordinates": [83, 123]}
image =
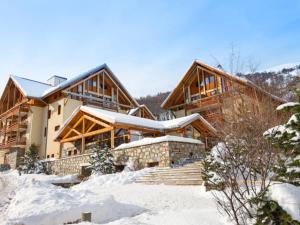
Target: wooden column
{"type": "Point", "coordinates": [204, 83]}
{"type": "Point", "coordinates": [83, 138]}
{"type": "Point", "coordinates": [98, 83]}
{"type": "Point", "coordinates": [199, 88]}
{"type": "Point", "coordinates": [112, 139]}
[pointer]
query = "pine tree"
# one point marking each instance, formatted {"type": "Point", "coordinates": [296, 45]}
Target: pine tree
{"type": "Point", "coordinates": [101, 160]}
{"type": "Point", "coordinates": [287, 139]}
{"type": "Point", "coordinates": [271, 213]}
{"type": "Point", "coordinates": [30, 162]}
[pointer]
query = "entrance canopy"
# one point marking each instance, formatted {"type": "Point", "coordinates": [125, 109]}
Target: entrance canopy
{"type": "Point", "coordinates": [87, 121]}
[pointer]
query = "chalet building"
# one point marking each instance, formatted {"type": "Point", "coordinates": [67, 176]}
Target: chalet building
{"type": "Point", "coordinates": [62, 118]}
{"type": "Point", "coordinates": [214, 94]}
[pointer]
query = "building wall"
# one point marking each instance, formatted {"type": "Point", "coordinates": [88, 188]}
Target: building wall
{"type": "Point", "coordinates": [34, 134]}
{"type": "Point", "coordinates": [67, 108]}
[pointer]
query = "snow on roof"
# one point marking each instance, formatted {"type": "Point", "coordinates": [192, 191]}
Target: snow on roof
{"type": "Point", "coordinates": [133, 111]}
{"type": "Point", "coordinates": [119, 118]}
{"type": "Point", "coordinates": [124, 119]}
{"type": "Point", "coordinates": [74, 80]}
{"type": "Point", "coordinates": [30, 88]}
{"type": "Point", "coordinates": [148, 141]}
{"type": "Point", "coordinates": [84, 75]}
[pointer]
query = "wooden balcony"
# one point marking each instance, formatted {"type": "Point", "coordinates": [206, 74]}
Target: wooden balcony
{"type": "Point", "coordinates": [14, 127]}
{"type": "Point", "coordinates": [13, 142]}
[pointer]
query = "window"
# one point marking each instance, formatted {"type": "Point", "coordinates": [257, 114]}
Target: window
{"type": "Point", "coordinates": [90, 83]}
{"type": "Point", "coordinates": [69, 153]}
{"type": "Point", "coordinates": [59, 109]}
{"type": "Point", "coordinates": [101, 85]}
{"type": "Point", "coordinates": [56, 128]}
{"type": "Point", "coordinates": [45, 132]}
{"type": "Point", "coordinates": [80, 88]}
{"type": "Point", "coordinates": [48, 156]}
{"type": "Point", "coordinates": [75, 152]}
{"type": "Point", "coordinates": [94, 83]}
{"type": "Point", "coordinates": [52, 155]}
{"type": "Point", "coordinates": [49, 114]}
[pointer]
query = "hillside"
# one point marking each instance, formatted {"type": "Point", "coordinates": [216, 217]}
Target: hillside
{"type": "Point", "coordinates": [278, 80]}
{"type": "Point", "coordinates": [153, 102]}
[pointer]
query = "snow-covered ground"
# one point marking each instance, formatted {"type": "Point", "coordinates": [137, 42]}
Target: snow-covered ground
{"type": "Point", "coordinates": [112, 199]}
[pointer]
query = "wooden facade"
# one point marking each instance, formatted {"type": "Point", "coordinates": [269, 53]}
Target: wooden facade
{"type": "Point", "coordinates": [210, 92]}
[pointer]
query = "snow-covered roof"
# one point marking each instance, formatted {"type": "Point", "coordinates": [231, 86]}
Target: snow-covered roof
{"type": "Point", "coordinates": [30, 88]}
{"type": "Point", "coordinates": [84, 75]}
{"type": "Point", "coordinates": [120, 118]}
{"type": "Point", "coordinates": [148, 141]}
{"type": "Point", "coordinates": [133, 112]}
{"type": "Point", "coordinates": [116, 118]}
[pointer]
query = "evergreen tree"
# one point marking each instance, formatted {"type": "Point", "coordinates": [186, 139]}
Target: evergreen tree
{"type": "Point", "coordinates": [101, 160]}
{"type": "Point", "coordinates": [30, 162]}
{"type": "Point", "coordinates": [287, 139]}
{"type": "Point", "coordinates": [271, 213]}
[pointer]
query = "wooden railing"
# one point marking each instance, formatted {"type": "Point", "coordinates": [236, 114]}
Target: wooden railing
{"type": "Point", "coordinates": [12, 142]}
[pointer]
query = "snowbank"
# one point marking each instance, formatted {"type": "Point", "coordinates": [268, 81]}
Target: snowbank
{"type": "Point", "coordinates": [36, 202]}
{"type": "Point", "coordinates": [147, 141]}
{"type": "Point", "coordinates": [97, 181]}
{"type": "Point", "coordinates": [288, 197]}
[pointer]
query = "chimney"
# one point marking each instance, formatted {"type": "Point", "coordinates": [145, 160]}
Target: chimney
{"type": "Point", "coordinates": [56, 80]}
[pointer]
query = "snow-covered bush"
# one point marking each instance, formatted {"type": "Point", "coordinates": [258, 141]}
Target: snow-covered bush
{"type": "Point", "coordinates": [101, 160]}
{"type": "Point", "coordinates": [31, 164]}
{"type": "Point", "coordinates": [239, 168]}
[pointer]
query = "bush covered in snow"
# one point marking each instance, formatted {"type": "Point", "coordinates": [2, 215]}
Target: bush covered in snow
{"type": "Point", "coordinates": [31, 164]}
{"type": "Point", "coordinates": [101, 160]}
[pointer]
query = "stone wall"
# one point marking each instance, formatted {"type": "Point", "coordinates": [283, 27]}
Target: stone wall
{"type": "Point", "coordinates": [69, 165]}
{"type": "Point", "coordinates": [14, 157]}
{"type": "Point", "coordinates": [164, 154]}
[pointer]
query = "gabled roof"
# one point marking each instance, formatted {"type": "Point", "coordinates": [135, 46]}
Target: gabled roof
{"type": "Point", "coordinates": [115, 118]}
{"type": "Point", "coordinates": [132, 112]}
{"type": "Point", "coordinates": [30, 88]}
{"type": "Point", "coordinates": [84, 75]}
{"type": "Point", "coordinates": [237, 79]}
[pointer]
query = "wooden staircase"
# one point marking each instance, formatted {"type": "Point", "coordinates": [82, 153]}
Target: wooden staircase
{"type": "Point", "coordinates": [189, 174]}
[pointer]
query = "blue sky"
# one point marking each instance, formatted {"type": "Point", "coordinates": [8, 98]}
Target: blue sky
{"type": "Point", "coordinates": [148, 44]}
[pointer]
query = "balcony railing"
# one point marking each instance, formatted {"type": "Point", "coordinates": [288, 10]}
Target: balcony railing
{"type": "Point", "coordinates": [13, 142]}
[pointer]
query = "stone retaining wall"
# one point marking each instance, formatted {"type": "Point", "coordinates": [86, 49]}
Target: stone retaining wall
{"type": "Point", "coordinates": [69, 165]}
{"type": "Point", "coordinates": [163, 154]}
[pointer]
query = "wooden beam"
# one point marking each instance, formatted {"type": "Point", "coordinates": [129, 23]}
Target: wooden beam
{"type": "Point", "coordinates": [96, 121]}
{"type": "Point", "coordinates": [89, 134]}
{"type": "Point", "coordinates": [91, 127]}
